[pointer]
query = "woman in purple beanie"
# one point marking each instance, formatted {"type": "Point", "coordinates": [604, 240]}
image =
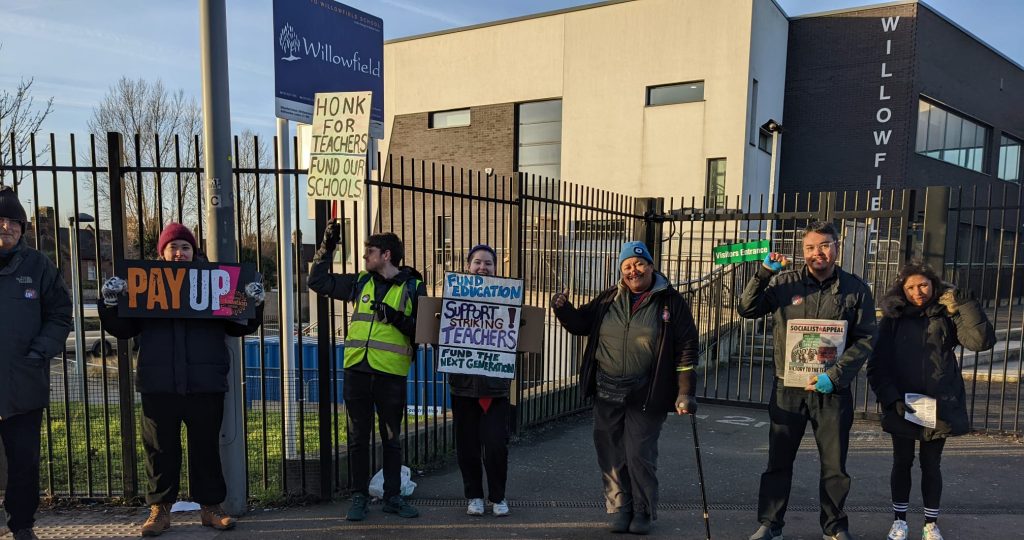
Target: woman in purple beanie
{"type": "Point", "coordinates": [480, 410]}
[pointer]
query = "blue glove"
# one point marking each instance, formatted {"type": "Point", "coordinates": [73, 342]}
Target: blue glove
{"type": "Point", "coordinates": [824, 384]}
{"type": "Point", "coordinates": [774, 266]}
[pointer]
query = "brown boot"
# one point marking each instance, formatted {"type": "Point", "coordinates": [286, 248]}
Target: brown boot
{"type": "Point", "coordinates": [214, 516]}
{"type": "Point", "coordinates": [159, 520]}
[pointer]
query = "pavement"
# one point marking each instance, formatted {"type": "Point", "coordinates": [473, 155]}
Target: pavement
{"type": "Point", "coordinates": [555, 491]}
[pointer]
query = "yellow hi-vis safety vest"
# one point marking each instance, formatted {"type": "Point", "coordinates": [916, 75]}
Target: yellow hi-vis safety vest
{"type": "Point", "coordinates": [383, 345]}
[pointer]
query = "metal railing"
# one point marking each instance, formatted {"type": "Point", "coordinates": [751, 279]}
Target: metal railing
{"type": "Point", "coordinates": [556, 236]}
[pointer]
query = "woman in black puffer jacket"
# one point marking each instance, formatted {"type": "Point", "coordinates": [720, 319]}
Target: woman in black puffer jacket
{"type": "Point", "coordinates": [924, 321]}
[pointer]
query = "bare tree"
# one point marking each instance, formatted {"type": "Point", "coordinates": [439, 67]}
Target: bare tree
{"type": "Point", "coordinates": [158, 126]}
{"type": "Point", "coordinates": [20, 118]}
{"type": "Point", "coordinates": [256, 194]}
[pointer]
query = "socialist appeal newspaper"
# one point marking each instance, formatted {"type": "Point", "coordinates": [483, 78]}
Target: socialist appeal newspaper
{"type": "Point", "coordinates": [812, 346]}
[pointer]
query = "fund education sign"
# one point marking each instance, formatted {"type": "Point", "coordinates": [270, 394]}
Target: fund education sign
{"type": "Point", "coordinates": [159, 289]}
{"type": "Point", "coordinates": [326, 46]}
{"type": "Point", "coordinates": [480, 318]}
{"type": "Point", "coordinates": [337, 156]}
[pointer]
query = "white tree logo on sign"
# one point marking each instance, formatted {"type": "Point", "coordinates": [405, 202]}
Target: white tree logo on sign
{"type": "Point", "coordinates": [289, 42]}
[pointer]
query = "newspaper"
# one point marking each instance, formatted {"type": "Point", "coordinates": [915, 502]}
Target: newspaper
{"type": "Point", "coordinates": [924, 409]}
{"type": "Point", "coordinates": [812, 346]}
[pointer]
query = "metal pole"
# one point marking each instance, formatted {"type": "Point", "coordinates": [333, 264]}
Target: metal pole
{"type": "Point", "coordinates": [286, 286]}
{"type": "Point", "coordinates": [220, 217]}
{"type": "Point", "coordinates": [772, 202]}
{"type": "Point", "coordinates": [76, 268]}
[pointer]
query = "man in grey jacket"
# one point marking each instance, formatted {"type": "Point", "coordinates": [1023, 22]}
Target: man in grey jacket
{"type": "Point", "coordinates": [35, 319]}
{"type": "Point", "coordinates": [819, 290]}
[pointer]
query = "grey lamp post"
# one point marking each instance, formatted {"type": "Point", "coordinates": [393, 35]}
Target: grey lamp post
{"type": "Point", "coordinates": [775, 128]}
{"type": "Point", "coordinates": [76, 301]}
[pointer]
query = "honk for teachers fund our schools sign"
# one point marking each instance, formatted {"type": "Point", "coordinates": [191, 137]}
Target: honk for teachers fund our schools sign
{"type": "Point", "coordinates": [340, 138]}
{"type": "Point", "coordinates": [480, 319]}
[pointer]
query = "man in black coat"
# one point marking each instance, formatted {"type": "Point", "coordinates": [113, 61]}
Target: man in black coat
{"type": "Point", "coordinates": [35, 319]}
{"type": "Point", "coordinates": [824, 291]}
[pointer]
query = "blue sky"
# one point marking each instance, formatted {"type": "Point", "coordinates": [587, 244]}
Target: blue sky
{"type": "Point", "coordinates": [75, 49]}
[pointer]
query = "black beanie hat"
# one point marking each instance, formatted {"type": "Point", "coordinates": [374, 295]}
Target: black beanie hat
{"type": "Point", "coordinates": [11, 208]}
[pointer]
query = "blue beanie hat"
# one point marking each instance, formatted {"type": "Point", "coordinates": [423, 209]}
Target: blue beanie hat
{"type": "Point", "coordinates": [634, 249]}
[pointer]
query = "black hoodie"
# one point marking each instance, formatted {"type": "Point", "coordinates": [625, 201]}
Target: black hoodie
{"type": "Point", "coordinates": [913, 352]}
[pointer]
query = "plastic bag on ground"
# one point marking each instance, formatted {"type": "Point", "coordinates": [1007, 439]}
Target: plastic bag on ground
{"type": "Point", "coordinates": [377, 483]}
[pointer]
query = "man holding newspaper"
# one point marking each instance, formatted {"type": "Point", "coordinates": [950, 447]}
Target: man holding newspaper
{"type": "Point", "coordinates": [824, 321]}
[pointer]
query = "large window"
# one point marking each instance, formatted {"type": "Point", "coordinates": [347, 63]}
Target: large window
{"type": "Point", "coordinates": [716, 183]}
{"type": "Point", "coordinates": [1009, 159]}
{"type": "Point", "coordinates": [950, 137]}
{"type": "Point", "coordinates": [539, 138]}
{"type": "Point", "coordinates": [669, 94]}
{"type": "Point", "coordinates": [447, 119]}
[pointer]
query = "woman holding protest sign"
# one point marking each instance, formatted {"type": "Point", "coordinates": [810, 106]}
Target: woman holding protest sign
{"type": "Point", "coordinates": [182, 376]}
{"type": "Point", "coordinates": [480, 409]}
{"type": "Point", "coordinates": [913, 364]}
{"type": "Point", "coordinates": [638, 365]}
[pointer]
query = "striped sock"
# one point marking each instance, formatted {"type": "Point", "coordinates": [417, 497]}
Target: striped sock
{"type": "Point", "coordinates": [900, 510]}
{"type": "Point", "coordinates": [931, 515]}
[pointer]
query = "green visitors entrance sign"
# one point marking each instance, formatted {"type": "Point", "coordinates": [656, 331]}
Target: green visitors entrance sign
{"type": "Point", "coordinates": [742, 252]}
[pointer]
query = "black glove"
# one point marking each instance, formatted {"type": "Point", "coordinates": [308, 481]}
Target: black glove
{"type": "Point", "coordinates": [389, 315]}
{"type": "Point", "coordinates": [332, 234]}
{"type": "Point", "coordinates": [902, 408]}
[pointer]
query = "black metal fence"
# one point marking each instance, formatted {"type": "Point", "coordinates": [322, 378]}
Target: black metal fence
{"type": "Point", "coordinates": [554, 235]}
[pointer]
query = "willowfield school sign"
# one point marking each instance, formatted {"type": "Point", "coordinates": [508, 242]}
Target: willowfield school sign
{"type": "Point", "coordinates": [195, 290]}
{"type": "Point", "coordinates": [480, 319]}
{"type": "Point", "coordinates": [326, 46]}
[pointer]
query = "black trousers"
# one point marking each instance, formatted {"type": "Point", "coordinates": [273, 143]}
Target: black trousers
{"type": "Point", "coordinates": [364, 392]}
{"type": "Point", "coordinates": [931, 471]}
{"type": "Point", "coordinates": [626, 440]}
{"type": "Point", "coordinates": [475, 429]}
{"type": "Point", "coordinates": [162, 416]}
{"type": "Point", "coordinates": [21, 444]}
{"type": "Point", "coordinates": [831, 417]}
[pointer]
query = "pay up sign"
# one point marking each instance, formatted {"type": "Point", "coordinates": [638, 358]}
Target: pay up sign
{"type": "Point", "coordinates": [160, 289]}
{"type": "Point", "coordinates": [337, 161]}
{"type": "Point", "coordinates": [480, 317]}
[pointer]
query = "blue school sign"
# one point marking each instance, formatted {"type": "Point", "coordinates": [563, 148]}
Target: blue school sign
{"type": "Point", "coordinates": [326, 46]}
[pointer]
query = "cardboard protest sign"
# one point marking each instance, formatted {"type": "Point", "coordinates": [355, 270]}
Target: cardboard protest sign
{"type": "Point", "coordinates": [812, 346]}
{"type": "Point", "coordinates": [194, 290]}
{"type": "Point", "coordinates": [479, 332]}
{"type": "Point", "coordinates": [337, 160]}
{"type": "Point", "coordinates": [742, 252]}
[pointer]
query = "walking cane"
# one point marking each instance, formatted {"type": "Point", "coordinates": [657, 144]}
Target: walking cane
{"type": "Point", "coordinates": [700, 476]}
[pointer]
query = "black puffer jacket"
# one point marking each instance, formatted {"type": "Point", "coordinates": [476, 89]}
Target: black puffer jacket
{"type": "Point", "coordinates": [35, 319]}
{"type": "Point", "coordinates": [914, 352]}
{"type": "Point", "coordinates": [677, 339]}
{"type": "Point", "coordinates": [179, 356]}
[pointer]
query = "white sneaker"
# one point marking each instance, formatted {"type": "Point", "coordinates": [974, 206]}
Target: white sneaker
{"type": "Point", "coordinates": [931, 532]}
{"type": "Point", "coordinates": [898, 530]}
{"type": "Point", "coordinates": [476, 507]}
{"type": "Point", "coordinates": [501, 508]}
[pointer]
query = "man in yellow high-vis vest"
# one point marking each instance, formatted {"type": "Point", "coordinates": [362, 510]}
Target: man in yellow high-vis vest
{"type": "Point", "coordinates": [378, 351]}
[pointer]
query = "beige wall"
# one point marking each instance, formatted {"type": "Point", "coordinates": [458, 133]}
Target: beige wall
{"type": "Point", "coordinates": [600, 61]}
